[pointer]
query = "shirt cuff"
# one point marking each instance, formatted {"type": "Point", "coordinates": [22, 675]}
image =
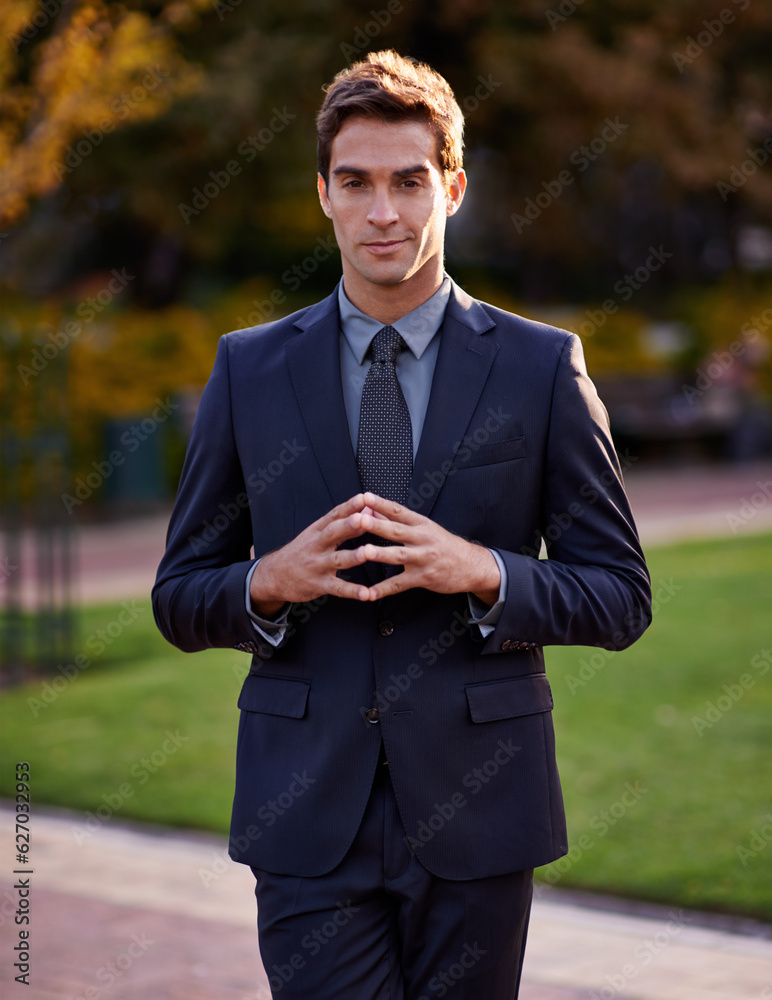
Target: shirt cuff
{"type": "Point", "coordinates": [271, 631]}
{"type": "Point", "coordinates": [484, 617]}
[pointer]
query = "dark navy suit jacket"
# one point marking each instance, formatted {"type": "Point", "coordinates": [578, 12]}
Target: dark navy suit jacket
{"type": "Point", "coordinates": [515, 447]}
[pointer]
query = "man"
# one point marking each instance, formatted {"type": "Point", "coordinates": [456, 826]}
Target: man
{"type": "Point", "coordinates": [395, 454]}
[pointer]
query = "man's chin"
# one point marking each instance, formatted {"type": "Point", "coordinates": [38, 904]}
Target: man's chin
{"type": "Point", "coordinates": [386, 272]}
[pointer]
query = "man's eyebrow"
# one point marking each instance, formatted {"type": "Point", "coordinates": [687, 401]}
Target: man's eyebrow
{"type": "Point", "coordinates": [357, 171]}
{"type": "Point", "coordinates": [421, 168]}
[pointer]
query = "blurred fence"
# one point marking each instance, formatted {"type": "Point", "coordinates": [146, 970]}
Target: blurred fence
{"type": "Point", "coordinates": [37, 618]}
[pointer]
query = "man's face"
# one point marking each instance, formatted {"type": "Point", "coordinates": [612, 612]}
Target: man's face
{"type": "Point", "coordinates": [389, 201]}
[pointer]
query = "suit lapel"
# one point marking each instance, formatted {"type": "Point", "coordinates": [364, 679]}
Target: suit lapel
{"type": "Point", "coordinates": [464, 361]}
{"type": "Point", "coordinates": [313, 358]}
{"type": "Point", "coordinates": [463, 364]}
{"type": "Point", "coordinates": [314, 363]}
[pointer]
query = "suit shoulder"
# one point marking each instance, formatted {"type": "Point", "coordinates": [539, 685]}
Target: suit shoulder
{"type": "Point", "coordinates": [539, 346]}
{"type": "Point", "coordinates": [514, 324]}
{"type": "Point", "coordinates": [275, 331]}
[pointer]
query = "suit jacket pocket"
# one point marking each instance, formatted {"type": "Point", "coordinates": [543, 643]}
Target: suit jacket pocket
{"type": "Point", "coordinates": [274, 696]}
{"type": "Point", "coordinates": [507, 699]}
{"type": "Point", "coordinates": [471, 455]}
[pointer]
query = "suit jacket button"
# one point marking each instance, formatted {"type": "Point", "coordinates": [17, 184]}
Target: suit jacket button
{"type": "Point", "coordinates": [373, 716]}
{"type": "Point", "coordinates": [386, 627]}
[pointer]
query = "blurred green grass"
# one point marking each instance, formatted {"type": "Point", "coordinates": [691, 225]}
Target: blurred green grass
{"type": "Point", "coordinates": [658, 806]}
{"type": "Point", "coordinates": [629, 718]}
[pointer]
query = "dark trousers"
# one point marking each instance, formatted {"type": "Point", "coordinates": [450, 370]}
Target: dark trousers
{"type": "Point", "coordinates": [381, 927]}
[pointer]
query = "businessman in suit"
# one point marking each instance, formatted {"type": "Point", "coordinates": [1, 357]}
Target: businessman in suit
{"type": "Point", "coordinates": [395, 454]}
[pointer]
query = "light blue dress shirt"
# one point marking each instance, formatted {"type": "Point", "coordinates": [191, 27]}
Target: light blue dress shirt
{"type": "Point", "coordinates": [415, 370]}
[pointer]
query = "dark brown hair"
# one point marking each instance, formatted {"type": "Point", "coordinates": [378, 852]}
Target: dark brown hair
{"type": "Point", "coordinates": [393, 88]}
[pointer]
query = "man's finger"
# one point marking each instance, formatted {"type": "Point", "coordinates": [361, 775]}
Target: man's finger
{"type": "Point", "coordinates": [394, 555]}
{"type": "Point", "coordinates": [392, 510]}
{"type": "Point", "coordinates": [338, 531]}
{"type": "Point", "coordinates": [393, 531]}
{"type": "Point", "coordinates": [350, 591]}
{"type": "Point", "coordinates": [393, 585]}
{"type": "Point", "coordinates": [343, 510]}
{"type": "Point", "coordinates": [348, 558]}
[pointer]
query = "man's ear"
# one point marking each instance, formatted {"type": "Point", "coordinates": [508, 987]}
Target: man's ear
{"type": "Point", "coordinates": [321, 187]}
{"type": "Point", "coordinates": [456, 190]}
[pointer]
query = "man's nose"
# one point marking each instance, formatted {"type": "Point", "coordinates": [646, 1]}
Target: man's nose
{"type": "Point", "coordinates": [382, 211]}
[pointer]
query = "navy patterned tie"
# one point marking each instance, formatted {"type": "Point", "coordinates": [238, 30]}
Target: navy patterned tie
{"type": "Point", "coordinates": [385, 445]}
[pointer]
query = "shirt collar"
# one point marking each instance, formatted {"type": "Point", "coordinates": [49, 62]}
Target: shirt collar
{"type": "Point", "coordinates": [417, 328]}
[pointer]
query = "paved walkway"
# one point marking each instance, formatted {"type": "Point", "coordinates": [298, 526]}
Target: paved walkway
{"type": "Point", "coordinates": [137, 912]}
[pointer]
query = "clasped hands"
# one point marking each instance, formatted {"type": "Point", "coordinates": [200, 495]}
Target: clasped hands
{"type": "Point", "coordinates": [433, 558]}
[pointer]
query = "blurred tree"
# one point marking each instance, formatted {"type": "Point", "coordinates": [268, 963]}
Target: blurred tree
{"type": "Point", "coordinates": [596, 129]}
{"type": "Point", "coordinates": [642, 110]}
{"type": "Point", "coordinates": [171, 142]}
{"type": "Point", "coordinates": [72, 77]}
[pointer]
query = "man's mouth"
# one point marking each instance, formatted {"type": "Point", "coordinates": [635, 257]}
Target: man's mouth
{"type": "Point", "coordinates": [384, 246]}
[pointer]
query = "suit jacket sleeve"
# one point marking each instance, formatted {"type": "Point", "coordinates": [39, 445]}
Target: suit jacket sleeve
{"type": "Point", "coordinates": [594, 588]}
{"type": "Point", "coordinates": [198, 597]}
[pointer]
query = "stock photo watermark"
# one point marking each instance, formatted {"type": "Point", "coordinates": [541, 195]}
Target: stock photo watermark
{"type": "Point", "coordinates": [430, 651]}
{"type": "Point", "coordinates": [731, 694]}
{"type": "Point", "coordinates": [46, 9]}
{"type": "Point", "coordinates": [96, 643]}
{"type": "Point", "coordinates": [741, 172]}
{"type": "Point", "coordinates": [258, 481]}
{"type": "Point", "coordinates": [268, 814]}
{"type": "Point", "coordinates": [712, 28]}
{"type": "Point", "coordinates": [282, 973]}
{"type": "Point", "coordinates": [750, 506]}
{"type": "Point", "coordinates": [562, 12]}
{"type": "Point", "coordinates": [7, 568]}
{"type": "Point", "coordinates": [600, 824]}
{"type": "Point", "coordinates": [121, 108]}
{"type": "Point", "coordinates": [758, 841]}
{"type": "Point", "coordinates": [218, 180]}
{"type": "Point", "coordinates": [86, 311]}
{"type": "Point", "coordinates": [721, 362]}
{"type": "Point", "coordinates": [364, 34]}
{"type": "Point", "coordinates": [485, 87]}
{"type": "Point", "coordinates": [109, 973]}
{"type": "Point", "coordinates": [581, 158]}
{"type": "Point", "coordinates": [293, 278]}
{"type": "Point", "coordinates": [131, 440]}
{"type": "Point", "coordinates": [644, 953]}
{"type": "Point", "coordinates": [474, 780]}
{"type": "Point", "coordinates": [141, 771]}
{"type": "Point", "coordinates": [624, 290]}
{"type": "Point", "coordinates": [592, 665]}
{"type": "Point", "coordinates": [446, 979]}
{"type": "Point", "coordinates": [591, 492]}
{"type": "Point", "coordinates": [464, 451]}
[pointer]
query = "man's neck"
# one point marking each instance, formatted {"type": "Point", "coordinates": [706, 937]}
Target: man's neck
{"type": "Point", "coordinates": [388, 303]}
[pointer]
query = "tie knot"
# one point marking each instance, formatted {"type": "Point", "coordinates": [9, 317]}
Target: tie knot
{"type": "Point", "coordinates": [387, 344]}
